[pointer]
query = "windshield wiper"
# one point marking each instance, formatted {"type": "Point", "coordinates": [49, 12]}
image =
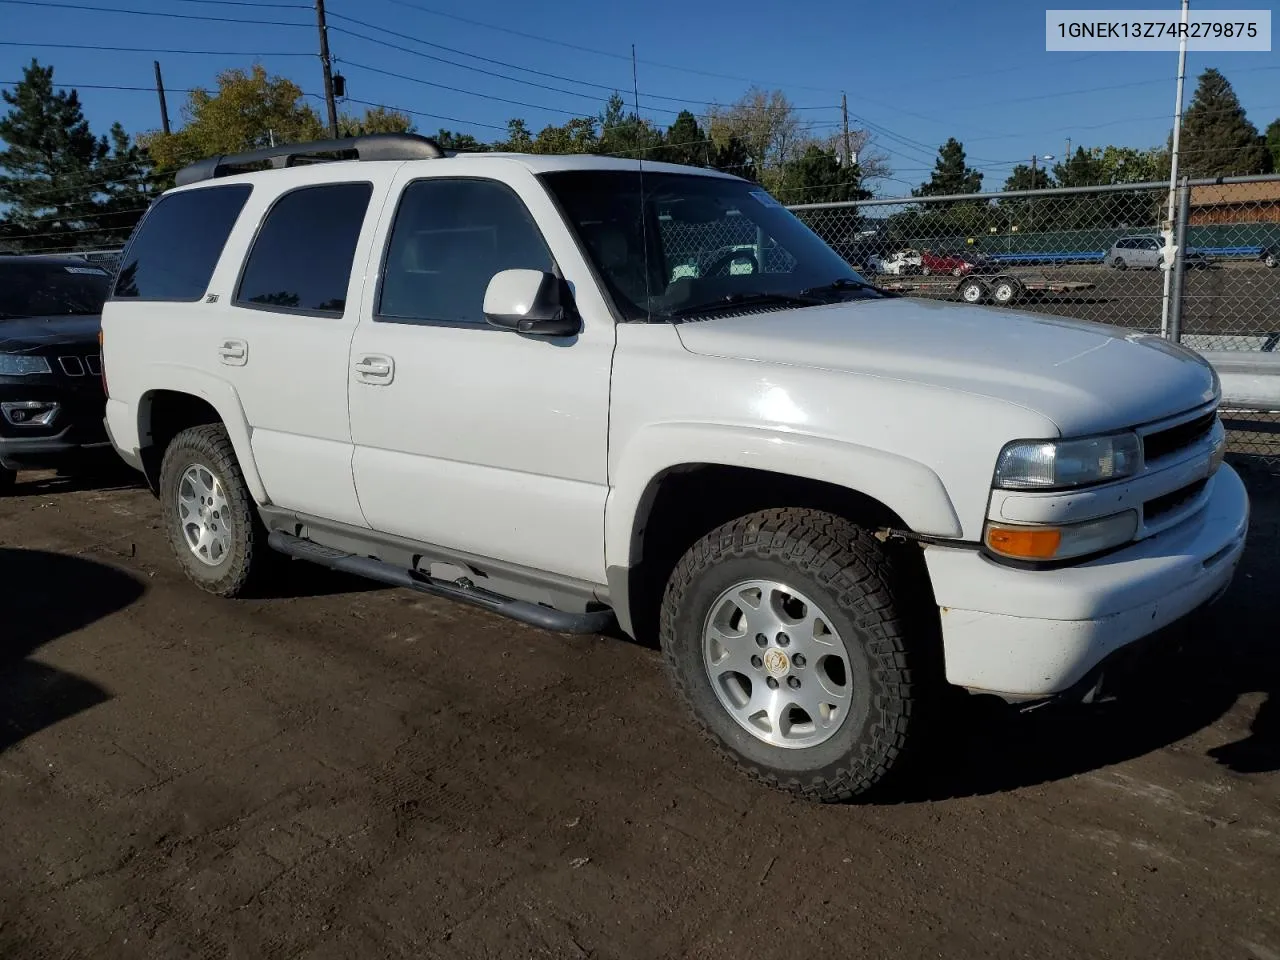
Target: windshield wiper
{"type": "Point", "coordinates": [838, 284]}
{"type": "Point", "coordinates": [751, 300]}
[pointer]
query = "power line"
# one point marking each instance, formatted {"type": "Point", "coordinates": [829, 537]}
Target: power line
{"type": "Point", "coordinates": [598, 52]}
{"type": "Point", "coordinates": [250, 3]}
{"type": "Point", "coordinates": [511, 66]}
{"type": "Point", "coordinates": [108, 47]}
{"type": "Point", "coordinates": [419, 113]}
{"type": "Point", "coordinates": [469, 93]}
{"type": "Point", "coordinates": [152, 13]}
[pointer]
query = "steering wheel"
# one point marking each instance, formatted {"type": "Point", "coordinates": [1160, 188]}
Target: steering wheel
{"type": "Point", "coordinates": [733, 255]}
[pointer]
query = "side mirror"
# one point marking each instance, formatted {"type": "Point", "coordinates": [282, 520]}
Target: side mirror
{"type": "Point", "coordinates": [530, 302]}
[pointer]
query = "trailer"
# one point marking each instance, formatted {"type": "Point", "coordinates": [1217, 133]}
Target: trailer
{"type": "Point", "coordinates": [1001, 289]}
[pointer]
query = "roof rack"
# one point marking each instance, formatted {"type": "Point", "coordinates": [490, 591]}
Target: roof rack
{"type": "Point", "coordinates": [377, 146]}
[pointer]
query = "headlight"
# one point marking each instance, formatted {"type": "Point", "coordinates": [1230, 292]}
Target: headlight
{"type": "Point", "coordinates": [1063, 542]}
{"type": "Point", "coordinates": [1062, 464]}
{"type": "Point", "coordinates": [20, 365]}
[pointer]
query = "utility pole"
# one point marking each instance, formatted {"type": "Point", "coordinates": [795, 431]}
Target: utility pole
{"type": "Point", "coordinates": [1033, 171]}
{"type": "Point", "coordinates": [1173, 176]}
{"type": "Point", "coordinates": [327, 65]}
{"type": "Point", "coordinates": [1066, 157]}
{"type": "Point", "coordinates": [844, 114]}
{"type": "Point", "coordinates": [164, 109]}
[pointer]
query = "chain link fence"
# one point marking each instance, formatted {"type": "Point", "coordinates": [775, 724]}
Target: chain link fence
{"type": "Point", "coordinates": [1097, 253]}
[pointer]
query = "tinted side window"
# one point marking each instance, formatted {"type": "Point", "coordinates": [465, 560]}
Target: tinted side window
{"type": "Point", "coordinates": [449, 238]}
{"type": "Point", "coordinates": [301, 259]}
{"type": "Point", "coordinates": [178, 244]}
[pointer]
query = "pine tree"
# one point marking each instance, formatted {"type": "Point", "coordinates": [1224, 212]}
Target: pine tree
{"type": "Point", "coordinates": [50, 165]}
{"type": "Point", "coordinates": [1217, 138]}
{"type": "Point", "coordinates": [1273, 143]}
{"type": "Point", "coordinates": [817, 176]}
{"type": "Point", "coordinates": [687, 142]}
{"type": "Point", "coordinates": [951, 173]}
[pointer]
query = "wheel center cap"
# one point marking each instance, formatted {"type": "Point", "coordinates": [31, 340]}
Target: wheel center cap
{"type": "Point", "coordinates": [776, 662]}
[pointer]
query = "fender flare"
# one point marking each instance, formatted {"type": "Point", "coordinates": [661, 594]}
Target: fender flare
{"type": "Point", "coordinates": [223, 398]}
{"type": "Point", "coordinates": [909, 488]}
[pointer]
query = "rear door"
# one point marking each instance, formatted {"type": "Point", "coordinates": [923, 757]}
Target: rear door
{"type": "Point", "coordinates": [284, 331]}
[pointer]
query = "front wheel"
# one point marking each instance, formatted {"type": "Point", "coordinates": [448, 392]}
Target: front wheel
{"type": "Point", "coordinates": [209, 514]}
{"type": "Point", "coordinates": [1269, 260]}
{"type": "Point", "coordinates": [782, 632]}
{"type": "Point", "coordinates": [1119, 264]}
{"type": "Point", "coordinates": [973, 291]}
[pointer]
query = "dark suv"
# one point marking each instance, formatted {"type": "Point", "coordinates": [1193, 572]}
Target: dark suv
{"type": "Point", "coordinates": [51, 395]}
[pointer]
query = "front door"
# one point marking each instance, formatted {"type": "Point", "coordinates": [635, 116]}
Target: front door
{"type": "Point", "coordinates": [466, 436]}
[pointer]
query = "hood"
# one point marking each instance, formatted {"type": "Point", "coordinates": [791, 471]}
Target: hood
{"type": "Point", "coordinates": [1085, 377]}
{"type": "Point", "coordinates": [33, 334]}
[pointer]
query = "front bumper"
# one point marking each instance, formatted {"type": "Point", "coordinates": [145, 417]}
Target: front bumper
{"type": "Point", "coordinates": [76, 429]}
{"type": "Point", "coordinates": [1026, 634]}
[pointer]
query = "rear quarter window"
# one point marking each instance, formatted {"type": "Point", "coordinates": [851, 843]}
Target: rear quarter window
{"type": "Point", "coordinates": [177, 246]}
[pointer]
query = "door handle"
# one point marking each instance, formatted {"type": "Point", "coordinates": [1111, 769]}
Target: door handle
{"type": "Point", "coordinates": [234, 352]}
{"type": "Point", "coordinates": [375, 369]}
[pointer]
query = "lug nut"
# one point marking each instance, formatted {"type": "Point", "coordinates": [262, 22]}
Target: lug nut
{"type": "Point", "coordinates": [793, 683]}
{"type": "Point", "coordinates": [757, 662]}
{"type": "Point", "coordinates": [798, 659]}
{"type": "Point", "coordinates": [761, 640]}
{"type": "Point", "coordinates": [784, 640]}
{"type": "Point", "coordinates": [772, 682]}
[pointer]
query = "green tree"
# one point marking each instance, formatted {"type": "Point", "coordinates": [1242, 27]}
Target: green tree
{"type": "Point", "coordinates": [519, 139]}
{"type": "Point", "coordinates": [374, 120]}
{"type": "Point", "coordinates": [1082, 169]}
{"type": "Point", "coordinates": [951, 173]}
{"type": "Point", "coordinates": [626, 134]}
{"type": "Point", "coordinates": [817, 176]}
{"type": "Point", "coordinates": [686, 142]}
{"type": "Point", "coordinates": [1133, 165]}
{"type": "Point", "coordinates": [1217, 138]}
{"type": "Point", "coordinates": [1273, 143]}
{"type": "Point", "coordinates": [62, 187]}
{"type": "Point", "coordinates": [1023, 178]}
{"type": "Point", "coordinates": [461, 142]}
{"type": "Point", "coordinates": [248, 111]}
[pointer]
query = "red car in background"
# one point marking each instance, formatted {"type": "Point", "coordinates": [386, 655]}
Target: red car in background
{"type": "Point", "coordinates": [951, 263]}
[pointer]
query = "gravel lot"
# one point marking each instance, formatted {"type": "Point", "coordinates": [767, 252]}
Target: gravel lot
{"type": "Point", "coordinates": [349, 771]}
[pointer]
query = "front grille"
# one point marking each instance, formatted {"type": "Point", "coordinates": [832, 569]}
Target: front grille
{"type": "Point", "coordinates": [79, 366]}
{"type": "Point", "coordinates": [1154, 509]}
{"type": "Point", "coordinates": [1166, 442]}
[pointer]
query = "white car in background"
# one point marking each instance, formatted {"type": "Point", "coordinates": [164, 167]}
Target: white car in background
{"type": "Point", "coordinates": [900, 263]}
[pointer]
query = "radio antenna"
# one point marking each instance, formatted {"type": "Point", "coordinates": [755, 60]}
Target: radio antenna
{"type": "Point", "coordinates": [644, 221]}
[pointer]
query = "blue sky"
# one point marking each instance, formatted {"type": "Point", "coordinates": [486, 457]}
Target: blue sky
{"type": "Point", "coordinates": [977, 71]}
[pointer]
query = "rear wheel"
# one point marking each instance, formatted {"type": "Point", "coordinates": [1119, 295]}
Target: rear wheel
{"type": "Point", "coordinates": [1269, 260]}
{"type": "Point", "coordinates": [782, 632]}
{"type": "Point", "coordinates": [1118, 263]}
{"type": "Point", "coordinates": [210, 517]}
{"type": "Point", "coordinates": [1005, 291]}
{"type": "Point", "coordinates": [957, 271]}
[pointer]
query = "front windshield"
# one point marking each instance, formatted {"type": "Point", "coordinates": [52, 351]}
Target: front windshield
{"type": "Point", "coordinates": [35, 288]}
{"type": "Point", "coordinates": [713, 243]}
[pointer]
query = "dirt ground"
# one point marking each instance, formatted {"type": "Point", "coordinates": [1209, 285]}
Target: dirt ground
{"type": "Point", "coordinates": [348, 771]}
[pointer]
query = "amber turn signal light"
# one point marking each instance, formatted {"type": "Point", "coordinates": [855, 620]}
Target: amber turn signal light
{"type": "Point", "coordinates": [1024, 543]}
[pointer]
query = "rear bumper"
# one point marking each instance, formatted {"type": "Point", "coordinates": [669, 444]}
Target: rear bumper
{"type": "Point", "coordinates": [1026, 634]}
{"type": "Point", "coordinates": [122, 430]}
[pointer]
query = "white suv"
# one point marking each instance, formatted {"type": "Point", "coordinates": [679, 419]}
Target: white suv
{"type": "Point", "coordinates": [572, 389]}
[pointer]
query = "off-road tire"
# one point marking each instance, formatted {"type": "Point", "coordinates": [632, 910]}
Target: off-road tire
{"type": "Point", "coordinates": [857, 581]}
{"type": "Point", "coordinates": [249, 561]}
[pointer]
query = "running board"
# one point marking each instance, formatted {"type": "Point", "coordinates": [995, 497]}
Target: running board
{"type": "Point", "coordinates": [531, 613]}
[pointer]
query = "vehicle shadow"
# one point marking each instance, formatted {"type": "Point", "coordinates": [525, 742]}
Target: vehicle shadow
{"type": "Point", "coordinates": [101, 473]}
{"type": "Point", "coordinates": [1196, 674]}
{"type": "Point", "coordinates": [47, 596]}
